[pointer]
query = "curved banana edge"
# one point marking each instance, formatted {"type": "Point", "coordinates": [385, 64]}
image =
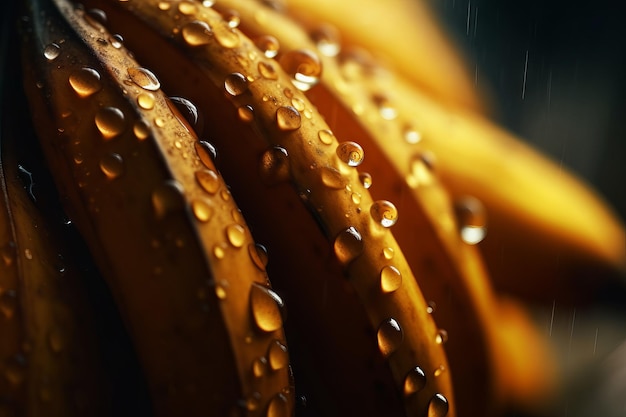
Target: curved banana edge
{"type": "Point", "coordinates": [264, 95]}
{"type": "Point", "coordinates": [159, 220]}
{"type": "Point", "coordinates": [50, 364]}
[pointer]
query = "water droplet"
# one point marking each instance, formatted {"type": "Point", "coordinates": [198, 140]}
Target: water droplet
{"type": "Point", "coordinates": [85, 82]}
{"type": "Point", "coordinates": [267, 70]}
{"type": "Point", "coordinates": [110, 122]}
{"type": "Point", "coordinates": [440, 370]}
{"type": "Point", "coordinates": [421, 170]}
{"type": "Point", "coordinates": [356, 198]}
{"type": "Point", "coordinates": [28, 254]}
{"type": "Point", "coordinates": [441, 337]}
{"type": "Point", "coordinates": [259, 367]}
{"type": "Point", "coordinates": [304, 67]}
{"type": "Point", "coordinates": [52, 51]}
{"type": "Point", "coordinates": [219, 251]}
{"type": "Point", "coordinates": [144, 78]}
{"type": "Point", "coordinates": [269, 45]}
{"type": "Point", "coordinates": [187, 109]}
{"type": "Point", "coordinates": [386, 110]}
{"type": "Point", "coordinates": [265, 305]}
{"type": "Point", "coordinates": [472, 219]}
{"type": "Point", "coordinates": [431, 308]}
{"type": "Point", "coordinates": [326, 136]}
{"type": "Point", "coordinates": [231, 17]}
{"type": "Point", "coordinates": [96, 18]}
{"type": "Point", "coordinates": [390, 337]}
{"type": "Point", "coordinates": [202, 210]}
{"type": "Point", "coordinates": [146, 101]}
{"type": "Point", "coordinates": [348, 245]}
{"type": "Point", "coordinates": [141, 129]}
{"type": "Point", "coordinates": [159, 122]}
{"type": "Point", "coordinates": [350, 153]}
{"type": "Point", "coordinates": [277, 355]}
{"type": "Point", "coordinates": [208, 3]}
{"type": "Point", "coordinates": [327, 40]}
{"type": "Point", "coordinates": [411, 135]}
{"type": "Point", "coordinates": [8, 303]}
{"type": "Point", "coordinates": [236, 235]}
{"type": "Point", "coordinates": [390, 279]}
{"type": "Point", "coordinates": [414, 381]}
{"type": "Point", "coordinates": [167, 198]}
{"type": "Point", "coordinates": [56, 340]}
{"type": "Point", "coordinates": [384, 213]}
{"type": "Point", "coordinates": [288, 118]}
{"type": "Point", "coordinates": [236, 84]}
{"type": "Point", "coordinates": [245, 113]}
{"type": "Point", "coordinates": [366, 179]}
{"type": "Point", "coordinates": [388, 253]}
{"type": "Point", "coordinates": [258, 254]}
{"type": "Point", "coordinates": [274, 165]}
{"type": "Point", "coordinates": [438, 406]}
{"type": "Point", "coordinates": [187, 7]}
{"type": "Point", "coordinates": [332, 178]}
{"type": "Point", "coordinates": [253, 402]}
{"type": "Point", "coordinates": [224, 34]}
{"type": "Point", "coordinates": [206, 152]}
{"type": "Point", "coordinates": [220, 290]}
{"type": "Point", "coordinates": [278, 406]}
{"type": "Point", "coordinates": [164, 5]}
{"type": "Point", "coordinates": [197, 33]}
{"type": "Point", "coordinates": [112, 165]}
{"type": "Point", "coordinates": [298, 104]}
{"type": "Point", "coordinates": [116, 41]}
{"type": "Point", "coordinates": [208, 180]}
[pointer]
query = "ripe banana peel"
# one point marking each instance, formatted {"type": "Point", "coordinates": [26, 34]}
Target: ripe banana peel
{"type": "Point", "coordinates": [390, 310]}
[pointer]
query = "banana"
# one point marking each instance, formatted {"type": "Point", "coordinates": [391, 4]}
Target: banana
{"type": "Point", "coordinates": [159, 221]}
{"type": "Point", "coordinates": [295, 146]}
{"type": "Point", "coordinates": [50, 364]}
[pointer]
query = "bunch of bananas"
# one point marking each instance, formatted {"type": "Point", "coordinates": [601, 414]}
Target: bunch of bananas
{"type": "Point", "coordinates": [286, 209]}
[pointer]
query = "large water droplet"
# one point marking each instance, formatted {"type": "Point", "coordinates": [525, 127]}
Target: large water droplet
{"type": "Point", "coordinates": [278, 406]}
{"type": "Point", "coordinates": [110, 122]}
{"type": "Point", "coordinates": [384, 213]}
{"type": "Point", "coordinates": [274, 165]}
{"type": "Point", "coordinates": [245, 113]}
{"type": "Point", "coordinates": [97, 18]}
{"type": "Point", "coordinates": [269, 45]}
{"type": "Point", "coordinates": [146, 101]}
{"type": "Point", "coordinates": [351, 153]}
{"type": "Point", "coordinates": [304, 67]}
{"type": "Point", "coordinates": [225, 35]}
{"type": "Point", "coordinates": [197, 33]}
{"type": "Point", "coordinates": [167, 198]}
{"type": "Point", "coordinates": [390, 279]}
{"type": "Point", "coordinates": [288, 118]}
{"type": "Point", "coordinates": [52, 51]}
{"type": "Point", "coordinates": [236, 84]}
{"type": "Point", "coordinates": [112, 165]}
{"type": "Point", "coordinates": [187, 109]}
{"type": "Point", "coordinates": [265, 305]}
{"type": "Point", "coordinates": [390, 336]}
{"type": "Point", "coordinates": [414, 381]}
{"type": "Point", "coordinates": [277, 355]}
{"type": "Point", "coordinates": [236, 235]}
{"type": "Point", "coordinates": [202, 210]}
{"type": "Point", "coordinates": [206, 152]}
{"type": "Point", "coordinates": [144, 78]}
{"type": "Point", "coordinates": [85, 82]}
{"type": "Point", "coordinates": [472, 219]}
{"type": "Point", "coordinates": [258, 254]}
{"type": "Point", "coordinates": [438, 406]}
{"type": "Point", "coordinates": [348, 245]}
{"type": "Point", "coordinates": [208, 180]}
{"type": "Point", "coordinates": [327, 40]}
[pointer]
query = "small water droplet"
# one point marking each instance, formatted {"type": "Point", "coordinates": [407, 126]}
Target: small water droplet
{"type": "Point", "coordinates": [144, 78]}
{"type": "Point", "coordinates": [390, 279]}
{"type": "Point", "coordinates": [298, 104]}
{"type": "Point", "coordinates": [274, 165]}
{"type": "Point", "coordinates": [219, 251]}
{"type": "Point", "coordinates": [265, 305]}
{"type": "Point", "coordinates": [438, 406]}
{"type": "Point", "coordinates": [220, 290]}
{"type": "Point", "coordinates": [267, 70]}
{"type": "Point", "coordinates": [110, 122]}
{"type": "Point", "coordinates": [258, 254]}
{"type": "Point", "coordinates": [8, 303]}
{"type": "Point", "coordinates": [116, 41]}
{"type": "Point", "coordinates": [187, 109]}
{"type": "Point", "coordinates": [112, 165]}
{"type": "Point", "coordinates": [348, 245]}
{"type": "Point", "coordinates": [236, 84]}
{"type": "Point", "coordinates": [414, 381]}
{"type": "Point", "coordinates": [208, 3]}
{"type": "Point", "coordinates": [269, 45]}
{"type": "Point", "coordinates": [259, 367]}
{"type": "Point", "coordinates": [350, 153]}
{"type": "Point", "coordinates": [202, 210]}
{"type": "Point", "coordinates": [85, 82]}
{"type": "Point", "coordinates": [304, 67]}
{"type": "Point", "coordinates": [159, 122]}
{"type": "Point", "coordinates": [356, 198]}
{"type": "Point", "coordinates": [366, 179]}
{"type": "Point", "coordinates": [386, 110]}
{"type": "Point", "coordinates": [472, 219]}
{"type": "Point", "coordinates": [288, 118]}
{"type": "Point", "coordinates": [141, 129]}
{"type": "Point", "coordinates": [411, 135]}
{"type": "Point", "coordinates": [187, 7]}
{"type": "Point", "coordinates": [245, 113]}
{"type": "Point", "coordinates": [167, 198]}
{"type": "Point", "coordinates": [236, 235]}
{"type": "Point", "coordinates": [441, 337]}
{"type": "Point", "coordinates": [225, 35]}
{"type": "Point", "coordinates": [208, 180]}
{"type": "Point", "coordinates": [146, 101]}
{"type": "Point", "coordinates": [278, 406]}
{"type": "Point", "coordinates": [164, 5]}
{"type": "Point", "coordinates": [431, 308]}
{"type": "Point", "coordinates": [390, 337]}
{"type": "Point", "coordinates": [440, 370]}
{"type": "Point", "coordinates": [96, 18]}
{"type": "Point", "coordinates": [327, 40]}
{"type": "Point", "coordinates": [277, 355]}
{"type": "Point", "coordinates": [28, 254]}
{"type": "Point", "coordinates": [384, 213]}
{"type": "Point", "coordinates": [52, 51]}
{"type": "Point", "coordinates": [253, 402]}
{"type": "Point", "coordinates": [197, 33]}
{"type": "Point", "coordinates": [332, 178]}
{"type": "Point", "coordinates": [388, 253]}
{"type": "Point", "coordinates": [231, 17]}
{"type": "Point", "coordinates": [421, 170]}
{"type": "Point", "coordinates": [326, 136]}
{"type": "Point", "coordinates": [206, 152]}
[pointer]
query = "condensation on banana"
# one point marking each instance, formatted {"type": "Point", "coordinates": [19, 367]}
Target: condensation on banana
{"type": "Point", "coordinates": [161, 224]}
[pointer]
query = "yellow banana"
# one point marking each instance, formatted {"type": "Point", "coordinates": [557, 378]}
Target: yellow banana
{"type": "Point", "coordinates": [159, 221]}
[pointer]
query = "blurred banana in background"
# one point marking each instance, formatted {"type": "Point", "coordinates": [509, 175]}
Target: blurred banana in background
{"type": "Point", "coordinates": [401, 230]}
